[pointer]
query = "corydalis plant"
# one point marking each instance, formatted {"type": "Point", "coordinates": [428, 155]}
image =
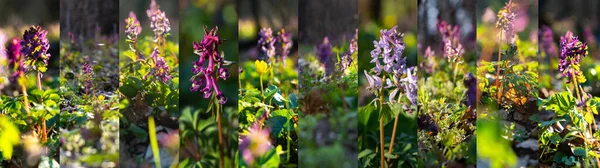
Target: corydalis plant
{"type": "Point", "coordinates": [547, 41]}
{"type": "Point", "coordinates": [571, 51]}
{"type": "Point", "coordinates": [206, 75]}
{"type": "Point", "coordinates": [35, 46]}
{"type": "Point", "coordinates": [506, 17]}
{"type": "Point", "coordinates": [285, 43]}
{"type": "Point", "coordinates": [15, 60]}
{"type": "Point", "coordinates": [347, 57]}
{"type": "Point", "coordinates": [132, 30]}
{"type": "Point", "coordinates": [161, 68]}
{"type": "Point", "coordinates": [267, 43]}
{"type": "Point", "coordinates": [87, 73]}
{"type": "Point", "coordinates": [159, 23]}
{"type": "Point", "coordinates": [324, 52]}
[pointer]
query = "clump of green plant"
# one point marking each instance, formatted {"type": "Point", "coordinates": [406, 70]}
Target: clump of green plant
{"type": "Point", "coordinates": [447, 104]}
{"type": "Point", "coordinates": [327, 128]}
{"type": "Point", "coordinates": [149, 83]}
{"type": "Point", "coordinates": [569, 137]}
{"type": "Point", "coordinates": [268, 105]}
{"type": "Point", "coordinates": [32, 105]}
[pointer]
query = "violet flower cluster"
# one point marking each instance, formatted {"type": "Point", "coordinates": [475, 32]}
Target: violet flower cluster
{"type": "Point", "coordinates": [15, 60]}
{"type": "Point", "coordinates": [389, 50]}
{"type": "Point", "coordinates": [158, 21]}
{"type": "Point", "coordinates": [453, 49]}
{"type": "Point", "coordinates": [324, 53]}
{"type": "Point", "coordinates": [35, 46]}
{"type": "Point", "coordinates": [571, 51]}
{"type": "Point", "coordinates": [449, 32]}
{"type": "Point", "coordinates": [204, 80]}
{"type": "Point", "coordinates": [161, 68]}
{"type": "Point", "coordinates": [132, 28]}
{"type": "Point", "coordinates": [88, 73]}
{"type": "Point", "coordinates": [547, 41]}
{"type": "Point", "coordinates": [267, 43]}
{"type": "Point", "coordinates": [285, 41]}
{"type": "Point", "coordinates": [429, 63]}
{"type": "Point", "coordinates": [347, 57]}
{"type": "Point", "coordinates": [505, 22]}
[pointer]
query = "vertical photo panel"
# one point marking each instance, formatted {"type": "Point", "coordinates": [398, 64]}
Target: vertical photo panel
{"type": "Point", "coordinates": [507, 83]}
{"type": "Point", "coordinates": [148, 83]}
{"type": "Point", "coordinates": [209, 52]}
{"type": "Point", "coordinates": [569, 83]}
{"type": "Point", "coordinates": [29, 83]}
{"type": "Point", "coordinates": [268, 94]}
{"type": "Point", "coordinates": [387, 67]}
{"type": "Point", "coordinates": [328, 84]}
{"type": "Point", "coordinates": [447, 81]}
{"type": "Point", "coordinates": [89, 79]}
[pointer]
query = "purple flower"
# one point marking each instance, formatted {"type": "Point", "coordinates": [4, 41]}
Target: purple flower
{"type": "Point", "coordinates": [374, 82]}
{"type": "Point", "coordinates": [204, 81]}
{"type": "Point", "coordinates": [452, 52]}
{"type": "Point", "coordinates": [471, 84]}
{"type": "Point", "coordinates": [15, 61]}
{"type": "Point", "coordinates": [161, 68]}
{"type": "Point", "coordinates": [429, 64]}
{"type": "Point", "coordinates": [158, 21]}
{"type": "Point", "coordinates": [347, 57]}
{"type": "Point", "coordinates": [410, 84]}
{"type": "Point", "coordinates": [35, 45]}
{"type": "Point", "coordinates": [323, 51]}
{"type": "Point", "coordinates": [254, 144]}
{"type": "Point", "coordinates": [389, 49]}
{"type": "Point", "coordinates": [449, 32]}
{"type": "Point", "coordinates": [547, 41]}
{"type": "Point", "coordinates": [571, 51]}
{"type": "Point", "coordinates": [506, 17]}
{"type": "Point", "coordinates": [286, 43]}
{"type": "Point", "coordinates": [267, 42]}
{"type": "Point", "coordinates": [88, 73]}
{"type": "Point", "coordinates": [133, 28]}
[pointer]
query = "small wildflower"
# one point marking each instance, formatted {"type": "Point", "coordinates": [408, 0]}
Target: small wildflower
{"type": "Point", "coordinates": [374, 82]}
{"type": "Point", "coordinates": [132, 28]}
{"type": "Point", "coordinates": [267, 43]}
{"type": "Point", "coordinates": [347, 57]}
{"type": "Point", "coordinates": [158, 21]}
{"type": "Point", "coordinates": [506, 18]}
{"type": "Point", "coordinates": [161, 68]}
{"type": "Point", "coordinates": [285, 40]}
{"type": "Point", "coordinates": [15, 60]}
{"type": "Point", "coordinates": [571, 51]}
{"type": "Point", "coordinates": [88, 73]}
{"type": "Point", "coordinates": [261, 67]}
{"type": "Point", "coordinates": [207, 49]}
{"type": "Point", "coordinates": [429, 62]}
{"type": "Point", "coordinates": [392, 62]}
{"type": "Point", "coordinates": [35, 46]}
{"type": "Point", "coordinates": [547, 41]}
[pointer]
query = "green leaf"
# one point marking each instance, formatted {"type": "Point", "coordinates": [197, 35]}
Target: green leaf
{"type": "Point", "coordinates": [293, 100]}
{"type": "Point", "coordinates": [580, 151]}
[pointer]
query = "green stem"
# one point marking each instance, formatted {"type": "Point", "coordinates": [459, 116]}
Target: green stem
{"type": "Point", "coordinates": [262, 91]}
{"type": "Point", "coordinates": [220, 131]}
{"type": "Point", "coordinates": [153, 141]}
{"type": "Point", "coordinates": [381, 139]}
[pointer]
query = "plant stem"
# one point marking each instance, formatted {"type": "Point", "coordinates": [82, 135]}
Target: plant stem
{"type": "Point", "coordinates": [499, 93]}
{"type": "Point", "coordinates": [43, 124]}
{"type": "Point", "coordinates": [262, 91]}
{"type": "Point", "coordinates": [381, 139]}
{"type": "Point", "coordinates": [393, 132]}
{"type": "Point", "coordinates": [154, 141]}
{"type": "Point", "coordinates": [220, 130]}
